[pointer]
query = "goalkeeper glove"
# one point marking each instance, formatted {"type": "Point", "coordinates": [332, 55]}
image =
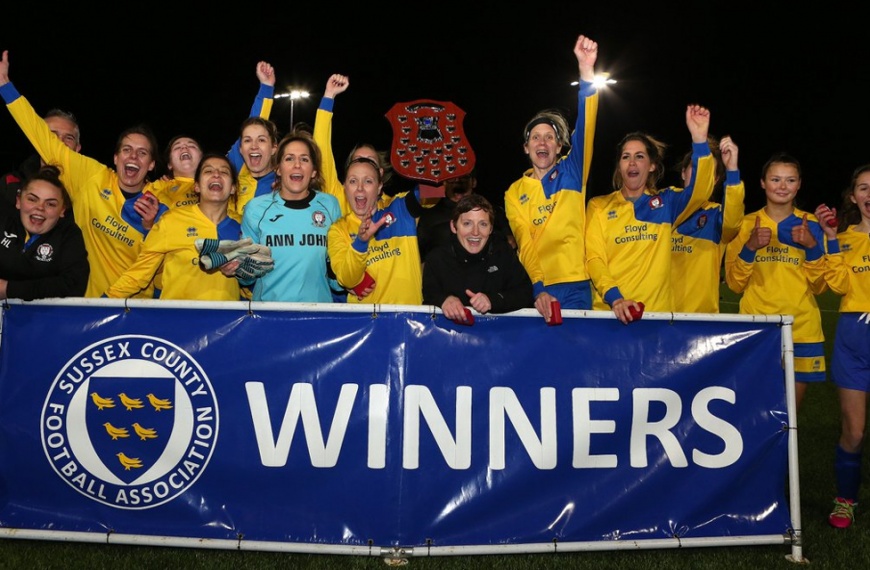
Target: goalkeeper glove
{"type": "Point", "coordinates": [254, 266]}
{"type": "Point", "coordinates": [206, 246]}
{"type": "Point", "coordinates": [217, 258]}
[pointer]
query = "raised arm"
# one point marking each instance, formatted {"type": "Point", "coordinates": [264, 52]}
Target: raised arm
{"type": "Point", "coordinates": [733, 207]}
{"type": "Point", "coordinates": [262, 107]}
{"type": "Point", "coordinates": [266, 73]}
{"type": "Point", "coordinates": [335, 85]}
{"type": "Point", "coordinates": [698, 121]}
{"type": "Point", "coordinates": [586, 52]}
{"type": "Point", "coordinates": [703, 165]}
{"type": "Point", "coordinates": [4, 68]}
{"type": "Point", "coordinates": [75, 168]}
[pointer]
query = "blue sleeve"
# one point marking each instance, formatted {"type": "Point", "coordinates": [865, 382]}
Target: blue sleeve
{"type": "Point", "coordinates": [327, 104]}
{"type": "Point", "coordinates": [9, 93]}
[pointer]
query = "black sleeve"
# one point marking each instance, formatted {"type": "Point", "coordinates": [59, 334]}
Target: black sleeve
{"type": "Point", "coordinates": [435, 269]}
{"type": "Point", "coordinates": [412, 203]}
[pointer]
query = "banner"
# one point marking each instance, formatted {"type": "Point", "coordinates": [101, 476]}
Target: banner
{"type": "Point", "coordinates": [388, 428]}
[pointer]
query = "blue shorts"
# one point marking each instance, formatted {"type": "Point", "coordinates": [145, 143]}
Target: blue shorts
{"type": "Point", "coordinates": [850, 360]}
{"type": "Point", "coordinates": [574, 295]}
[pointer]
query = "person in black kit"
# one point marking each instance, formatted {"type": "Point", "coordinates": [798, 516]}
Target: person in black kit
{"type": "Point", "coordinates": [473, 269]}
{"type": "Point", "coordinates": [433, 227]}
{"type": "Point", "coordinates": [42, 252]}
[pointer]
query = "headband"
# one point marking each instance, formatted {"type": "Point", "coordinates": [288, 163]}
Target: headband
{"type": "Point", "coordinates": [541, 121]}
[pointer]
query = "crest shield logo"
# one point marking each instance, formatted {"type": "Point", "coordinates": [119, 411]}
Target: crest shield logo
{"type": "Point", "coordinates": [130, 432]}
{"type": "Point", "coordinates": [131, 422]}
{"type": "Point", "coordinates": [429, 142]}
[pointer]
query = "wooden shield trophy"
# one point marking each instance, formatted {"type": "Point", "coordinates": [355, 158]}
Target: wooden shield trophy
{"type": "Point", "coordinates": [429, 144]}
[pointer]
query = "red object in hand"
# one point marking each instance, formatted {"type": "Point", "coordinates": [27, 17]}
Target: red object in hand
{"type": "Point", "coordinates": [555, 313]}
{"type": "Point", "coordinates": [469, 318]}
{"type": "Point", "coordinates": [832, 222]}
{"type": "Point", "coordinates": [366, 282]}
{"type": "Point", "coordinates": [636, 314]}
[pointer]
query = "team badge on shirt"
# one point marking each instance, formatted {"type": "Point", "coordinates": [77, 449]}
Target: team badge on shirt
{"type": "Point", "coordinates": [656, 202]}
{"type": "Point", "coordinates": [702, 221]}
{"type": "Point", "coordinates": [318, 218]}
{"type": "Point", "coordinates": [554, 174]}
{"type": "Point", "coordinates": [389, 218]}
{"type": "Point", "coordinates": [44, 252]}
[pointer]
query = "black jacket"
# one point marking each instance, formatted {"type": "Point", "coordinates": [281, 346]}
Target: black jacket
{"type": "Point", "coordinates": [496, 271]}
{"type": "Point", "coordinates": [54, 265]}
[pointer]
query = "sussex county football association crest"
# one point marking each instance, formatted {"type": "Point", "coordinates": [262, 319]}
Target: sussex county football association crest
{"type": "Point", "coordinates": [130, 422]}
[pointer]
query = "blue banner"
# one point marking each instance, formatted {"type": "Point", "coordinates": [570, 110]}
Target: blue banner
{"type": "Point", "coordinates": [394, 428]}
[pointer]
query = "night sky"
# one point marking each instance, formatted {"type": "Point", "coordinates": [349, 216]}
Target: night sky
{"type": "Point", "coordinates": [772, 80]}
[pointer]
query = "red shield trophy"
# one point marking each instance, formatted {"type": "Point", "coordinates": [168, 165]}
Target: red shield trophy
{"type": "Point", "coordinates": [429, 143]}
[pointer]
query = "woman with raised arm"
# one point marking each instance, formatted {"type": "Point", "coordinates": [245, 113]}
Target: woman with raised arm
{"type": "Point", "coordinates": [628, 232]}
{"type": "Point", "coordinates": [546, 207]}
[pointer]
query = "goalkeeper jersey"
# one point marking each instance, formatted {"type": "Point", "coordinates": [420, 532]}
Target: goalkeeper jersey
{"type": "Point", "coordinates": [296, 231]}
{"type": "Point", "coordinates": [170, 249]}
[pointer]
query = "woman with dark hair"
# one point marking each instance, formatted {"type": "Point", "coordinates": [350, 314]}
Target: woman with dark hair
{"type": "Point", "coordinates": [293, 220]}
{"type": "Point", "coordinates": [170, 247]}
{"type": "Point", "coordinates": [777, 264]}
{"type": "Point", "coordinates": [42, 252]}
{"type": "Point", "coordinates": [474, 270]}
{"type": "Point", "coordinates": [628, 232]}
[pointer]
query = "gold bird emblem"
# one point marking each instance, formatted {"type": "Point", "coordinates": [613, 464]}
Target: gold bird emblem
{"type": "Point", "coordinates": [159, 404]}
{"type": "Point", "coordinates": [102, 402]}
{"type": "Point", "coordinates": [129, 462]}
{"type": "Point", "coordinates": [116, 432]}
{"type": "Point", "coordinates": [143, 432]}
{"type": "Point", "coordinates": [129, 402]}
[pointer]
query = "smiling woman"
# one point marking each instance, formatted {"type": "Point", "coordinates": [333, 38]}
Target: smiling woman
{"type": "Point", "coordinates": [293, 221]}
{"type": "Point", "coordinates": [473, 269]}
{"type": "Point", "coordinates": [42, 253]}
{"type": "Point", "coordinates": [171, 244]}
{"type": "Point", "coordinates": [550, 239]}
{"type": "Point", "coordinates": [376, 244]}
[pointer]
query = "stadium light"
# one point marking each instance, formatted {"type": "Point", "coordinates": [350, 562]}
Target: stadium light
{"type": "Point", "coordinates": [293, 95]}
{"type": "Point", "coordinates": [601, 81]}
